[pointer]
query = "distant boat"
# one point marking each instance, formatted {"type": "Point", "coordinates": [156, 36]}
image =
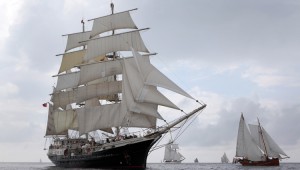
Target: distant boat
{"type": "Point", "coordinates": [224, 159]}
{"type": "Point", "coordinates": [171, 154]}
{"type": "Point", "coordinates": [196, 160]}
{"type": "Point", "coordinates": [256, 148]}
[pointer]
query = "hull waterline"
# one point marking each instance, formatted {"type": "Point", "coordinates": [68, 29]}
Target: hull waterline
{"type": "Point", "coordinates": [269, 162]}
{"type": "Point", "coordinates": [129, 156]}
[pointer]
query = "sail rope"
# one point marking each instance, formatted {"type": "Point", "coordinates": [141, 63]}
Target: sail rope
{"type": "Point", "coordinates": [155, 147]}
{"type": "Point", "coordinates": [182, 84]}
{"type": "Point", "coordinates": [179, 133]}
{"type": "Point", "coordinates": [193, 119]}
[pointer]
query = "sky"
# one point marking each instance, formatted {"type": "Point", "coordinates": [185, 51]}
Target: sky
{"type": "Point", "coordinates": [235, 56]}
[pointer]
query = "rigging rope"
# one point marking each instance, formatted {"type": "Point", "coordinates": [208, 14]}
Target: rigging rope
{"type": "Point", "coordinates": [178, 135]}
{"type": "Point", "coordinates": [180, 132]}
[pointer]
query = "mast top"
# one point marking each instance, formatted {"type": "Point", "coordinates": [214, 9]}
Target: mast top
{"type": "Point", "coordinates": [112, 7]}
{"type": "Point", "coordinates": [82, 22]}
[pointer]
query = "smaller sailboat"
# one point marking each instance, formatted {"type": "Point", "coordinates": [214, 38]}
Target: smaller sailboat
{"type": "Point", "coordinates": [224, 159]}
{"type": "Point", "coordinates": [196, 160]}
{"type": "Point", "coordinates": [171, 154]}
{"type": "Point", "coordinates": [256, 147]}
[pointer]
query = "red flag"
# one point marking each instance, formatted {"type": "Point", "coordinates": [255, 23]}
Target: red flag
{"type": "Point", "coordinates": [44, 104]}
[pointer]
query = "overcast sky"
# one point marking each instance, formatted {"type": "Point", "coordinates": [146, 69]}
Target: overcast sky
{"type": "Point", "coordinates": [236, 56]}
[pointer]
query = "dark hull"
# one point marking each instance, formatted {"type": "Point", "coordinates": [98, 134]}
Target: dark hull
{"type": "Point", "coordinates": [129, 156]}
{"type": "Point", "coordinates": [269, 162]}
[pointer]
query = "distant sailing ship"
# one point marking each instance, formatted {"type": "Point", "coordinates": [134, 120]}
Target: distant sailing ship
{"type": "Point", "coordinates": [196, 160]}
{"type": "Point", "coordinates": [256, 148]}
{"type": "Point", "coordinates": [102, 89]}
{"type": "Point", "coordinates": [171, 154]}
{"type": "Point", "coordinates": [224, 158]}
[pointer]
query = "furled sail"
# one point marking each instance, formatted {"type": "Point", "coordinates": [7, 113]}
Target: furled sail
{"type": "Point", "coordinates": [265, 141]}
{"type": "Point", "coordinates": [116, 21]}
{"type": "Point", "coordinates": [246, 146]}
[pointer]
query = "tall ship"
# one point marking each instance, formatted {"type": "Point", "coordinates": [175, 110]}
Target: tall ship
{"type": "Point", "coordinates": [172, 154]}
{"type": "Point", "coordinates": [255, 147]}
{"type": "Point", "coordinates": [103, 111]}
{"type": "Point", "coordinates": [224, 159]}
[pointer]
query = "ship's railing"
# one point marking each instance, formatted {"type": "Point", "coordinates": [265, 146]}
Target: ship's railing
{"type": "Point", "coordinates": [67, 151]}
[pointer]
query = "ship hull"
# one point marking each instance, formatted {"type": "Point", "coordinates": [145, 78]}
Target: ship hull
{"type": "Point", "coordinates": [129, 156]}
{"type": "Point", "coordinates": [269, 162]}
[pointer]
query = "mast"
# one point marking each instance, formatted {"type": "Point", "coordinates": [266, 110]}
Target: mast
{"type": "Point", "coordinates": [82, 25]}
{"type": "Point", "coordinates": [116, 96]}
{"type": "Point", "coordinates": [262, 136]}
{"type": "Point", "coordinates": [83, 30]}
{"type": "Point", "coordinates": [112, 6]}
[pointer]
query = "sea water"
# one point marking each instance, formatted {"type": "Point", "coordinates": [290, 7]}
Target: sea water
{"type": "Point", "coordinates": [155, 166]}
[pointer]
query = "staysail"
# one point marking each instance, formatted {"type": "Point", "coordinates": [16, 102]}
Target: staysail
{"type": "Point", "coordinates": [265, 141]}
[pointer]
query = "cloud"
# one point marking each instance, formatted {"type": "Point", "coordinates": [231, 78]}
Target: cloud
{"type": "Point", "coordinates": [21, 120]}
{"type": "Point", "coordinates": [270, 76]}
{"type": "Point", "coordinates": [9, 15]}
{"type": "Point", "coordinates": [8, 89]}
